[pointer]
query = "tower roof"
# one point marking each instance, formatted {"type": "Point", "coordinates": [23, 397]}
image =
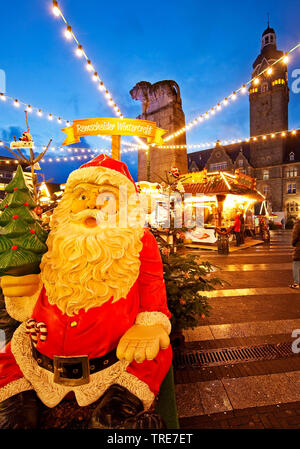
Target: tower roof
{"type": "Point", "coordinates": [268, 31]}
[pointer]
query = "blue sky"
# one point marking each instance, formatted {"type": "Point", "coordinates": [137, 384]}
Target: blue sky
{"type": "Point", "coordinates": [207, 47]}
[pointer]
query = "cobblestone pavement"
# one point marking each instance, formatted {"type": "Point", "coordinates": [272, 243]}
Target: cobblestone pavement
{"type": "Point", "coordinates": [256, 308]}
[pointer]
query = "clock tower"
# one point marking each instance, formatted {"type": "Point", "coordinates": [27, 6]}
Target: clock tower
{"type": "Point", "coordinates": [269, 100]}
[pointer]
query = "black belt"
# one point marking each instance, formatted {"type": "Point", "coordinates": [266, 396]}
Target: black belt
{"type": "Point", "coordinates": [73, 371]}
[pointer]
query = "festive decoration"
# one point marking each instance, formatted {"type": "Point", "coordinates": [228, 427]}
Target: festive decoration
{"type": "Point", "coordinates": [22, 239]}
{"type": "Point", "coordinates": [114, 127]}
{"type": "Point", "coordinates": [232, 97]}
{"type": "Point", "coordinates": [33, 160]}
{"type": "Point", "coordinates": [100, 293]}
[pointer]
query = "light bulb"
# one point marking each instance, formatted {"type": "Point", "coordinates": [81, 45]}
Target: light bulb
{"type": "Point", "coordinates": [55, 8]}
{"type": "Point", "coordinates": [68, 32]}
{"type": "Point", "coordinates": [294, 131]}
{"type": "Point", "coordinates": [219, 107]}
{"type": "Point", "coordinates": [243, 89]}
{"type": "Point", "coordinates": [283, 134]}
{"type": "Point", "coordinates": [16, 103]}
{"type": "Point", "coordinates": [233, 96]}
{"type": "Point", "coordinates": [256, 81]}
{"type": "Point", "coordinates": [59, 120]}
{"type": "Point", "coordinates": [50, 117]}
{"type": "Point", "coordinates": [95, 76]}
{"type": "Point", "coordinates": [79, 51]}
{"type": "Point", "coordinates": [286, 59]}
{"type": "Point", "coordinates": [272, 135]}
{"type": "Point", "coordinates": [40, 113]}
{"type": "Point", "coordinates": [225, 102]}
{"type": "Point", "coordinates": [270, 71]}
{"type": "Point", "coordinates": [89, 66]}
{"type": "Point", "coordinates": [29, 108]}
{"type": "Point", "coordinates": [3, 97]}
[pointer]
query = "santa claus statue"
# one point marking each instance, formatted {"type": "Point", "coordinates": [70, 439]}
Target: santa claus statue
{"type": "Point", "coordinates": [95, 321]}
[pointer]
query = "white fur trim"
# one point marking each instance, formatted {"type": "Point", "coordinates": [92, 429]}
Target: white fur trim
{"type": "Point", "coordinates": [13, 388]}
{"type": "Point", "coordinates": [52, 393]}
{"type": "Point", "coordinates": [21, 308]}
{"type": "Point", "coordinates": [138, 388]}
{"type": "Point", "coordinates": [98, 175]}
{"type": "Point", "coordinates": [151, 318]}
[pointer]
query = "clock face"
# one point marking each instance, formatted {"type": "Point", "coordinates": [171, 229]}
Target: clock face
{"type": "Point", "coordinates": [218, 154]}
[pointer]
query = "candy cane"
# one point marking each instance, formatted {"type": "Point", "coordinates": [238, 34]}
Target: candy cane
{"type": "Point", "coordinates": [42, 330]}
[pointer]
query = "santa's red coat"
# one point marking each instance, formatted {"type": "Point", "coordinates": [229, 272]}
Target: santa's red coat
{"type": "Point", "coordinates": [98, 331]}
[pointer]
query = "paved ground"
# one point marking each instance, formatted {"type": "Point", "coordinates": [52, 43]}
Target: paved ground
{"type": "Point", "coordinates": [256, 308]}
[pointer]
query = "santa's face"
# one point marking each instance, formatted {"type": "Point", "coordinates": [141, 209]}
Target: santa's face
{"type": "Point", "coordinates": [90, 258]}
{"type": "Point", "coordinates": [88, 199]}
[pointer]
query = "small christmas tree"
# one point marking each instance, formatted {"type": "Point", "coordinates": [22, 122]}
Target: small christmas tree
{"type": "Point", "coordinates": [22, 239]}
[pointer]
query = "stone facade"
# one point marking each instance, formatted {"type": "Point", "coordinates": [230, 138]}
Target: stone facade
{"type": "Point", "coordinates": [161, 103]}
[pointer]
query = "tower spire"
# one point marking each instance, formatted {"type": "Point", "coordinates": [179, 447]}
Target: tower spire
{"type": "Point", "coordinates": [268, 16]}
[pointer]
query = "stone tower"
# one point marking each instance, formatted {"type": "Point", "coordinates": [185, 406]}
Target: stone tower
{"type": "Point", "coordinates": [161, 103]}
{"type": "Point", "coordinates": [268, 103]}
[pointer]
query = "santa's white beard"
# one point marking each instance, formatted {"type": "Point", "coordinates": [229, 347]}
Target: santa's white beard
{"type": "Point", "coordinates": [84, 268]}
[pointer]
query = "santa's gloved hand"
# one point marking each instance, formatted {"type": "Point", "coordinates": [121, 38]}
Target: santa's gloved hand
{"type": "Point", "coordinates": [16, 286]}
{"type": "Point", "coordinates": [141, 343]}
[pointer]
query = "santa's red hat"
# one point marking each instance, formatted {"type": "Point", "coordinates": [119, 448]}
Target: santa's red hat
{"type": "Point", "coordinates": [102, 169]}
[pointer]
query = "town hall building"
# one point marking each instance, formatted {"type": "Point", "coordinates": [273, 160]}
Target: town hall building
{"type": "Point", "coordinates": [273, 161]}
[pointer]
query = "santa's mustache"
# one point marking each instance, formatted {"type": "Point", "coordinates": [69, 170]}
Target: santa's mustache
{"type": "Point", "coordinates": [83, 214]}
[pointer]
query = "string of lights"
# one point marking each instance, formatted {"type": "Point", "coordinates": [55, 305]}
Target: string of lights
{"type": "Point", "coordinates": [33, 109]}
{"type": "Point", "coordinates": [232, 97]}
{"type": "Point", "coordinates": [51, 117]}
{"type": "Point", "coordinates": [80, 52]}
{"type": "Point", "coordinates": [273, 135]}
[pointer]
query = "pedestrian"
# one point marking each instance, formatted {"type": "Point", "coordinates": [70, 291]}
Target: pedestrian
{"type": "Point", "coordinates": [283, 223]}
{"type": "Point", "coordinates": [242, 232]}
{"type": "Point", "coordinates": [296, 256]}
{"type": "Point", "coordinates": [237, 229]}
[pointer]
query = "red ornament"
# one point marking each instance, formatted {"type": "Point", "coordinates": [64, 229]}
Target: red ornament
{"type": "Point", "coordinates": [32, 231]}
{"type": "Point", "coordinates": [5, 205]}
{"type": "Point", "coordinates": [15, 188]}
{"type": "Point", "coordinates": [26, 204]}
{"type": "Point", "coordinates": [203, 316]}
{"type": "Point", "coordinates": [15, 217]}
{"type": "Point", "coordinates": [14, 247]}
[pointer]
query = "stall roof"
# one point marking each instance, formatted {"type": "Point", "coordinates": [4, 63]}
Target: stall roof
{"type": "Point", "coordinates": [221, 183]}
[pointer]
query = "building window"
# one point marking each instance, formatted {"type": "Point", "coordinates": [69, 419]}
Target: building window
{"type": "Point", "coordinates": [264, 87]}
{"type": "Point", "coordinates": [241, 163]}
{"type": "Point", "coordinates": [292, 207]}
{"type": "Point", "coordinates": [291, 188]}
{"type": "Point", "coordinates": [292, 156]}
{"type": "Point", "coordinates": [291, 172]}
{"type": "Point", "coordinates": [218, 166]}
{"type": "Point", "coordinates": [253, 90]}
{"type": "Point", "coordinates": [279, 81]}
{"type": "Point", "coordinates": [266, 174]}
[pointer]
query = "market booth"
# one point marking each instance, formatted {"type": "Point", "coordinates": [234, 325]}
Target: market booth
{"type": "Point", "coordinates": [210, 203]}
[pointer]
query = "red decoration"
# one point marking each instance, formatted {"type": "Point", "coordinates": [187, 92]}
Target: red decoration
{"type": "Point", "coordinates": [15, 217]}
{"type": "Point", "coordinates": [5, 205]}
{"type": "Point", "coordinates": [26, 204]}
{"type": "Point", "coordinates": [15, 188]}
{"type": "Point", "coordinates": [32, 231]}
{"type": "Point", "coordinates": [14, 247]}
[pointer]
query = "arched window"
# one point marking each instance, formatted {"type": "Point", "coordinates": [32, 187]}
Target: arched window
{"type": "Point", "coordinates": [292, 207]}
{"type": "Point", "coordinates": [292, 156]}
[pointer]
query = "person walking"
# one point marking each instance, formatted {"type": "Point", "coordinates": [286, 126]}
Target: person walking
{"type": "Point", "coordinates": [242, 232]}
{"type": "Point", "coordinates": [296, 256]}
{"type": "Point", "coordinates": [237, 229]}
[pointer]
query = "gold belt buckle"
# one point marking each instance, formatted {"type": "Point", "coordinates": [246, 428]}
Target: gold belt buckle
{"type": "Point", "coordinates": [81, 369]}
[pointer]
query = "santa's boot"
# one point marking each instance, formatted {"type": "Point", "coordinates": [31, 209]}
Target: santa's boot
{"type": "Point", "coordinates": [19, 411]}
{"type": "Point", "coordinates": [120, 409]}
{"type": "Point", "coordinates": [116, 405]}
